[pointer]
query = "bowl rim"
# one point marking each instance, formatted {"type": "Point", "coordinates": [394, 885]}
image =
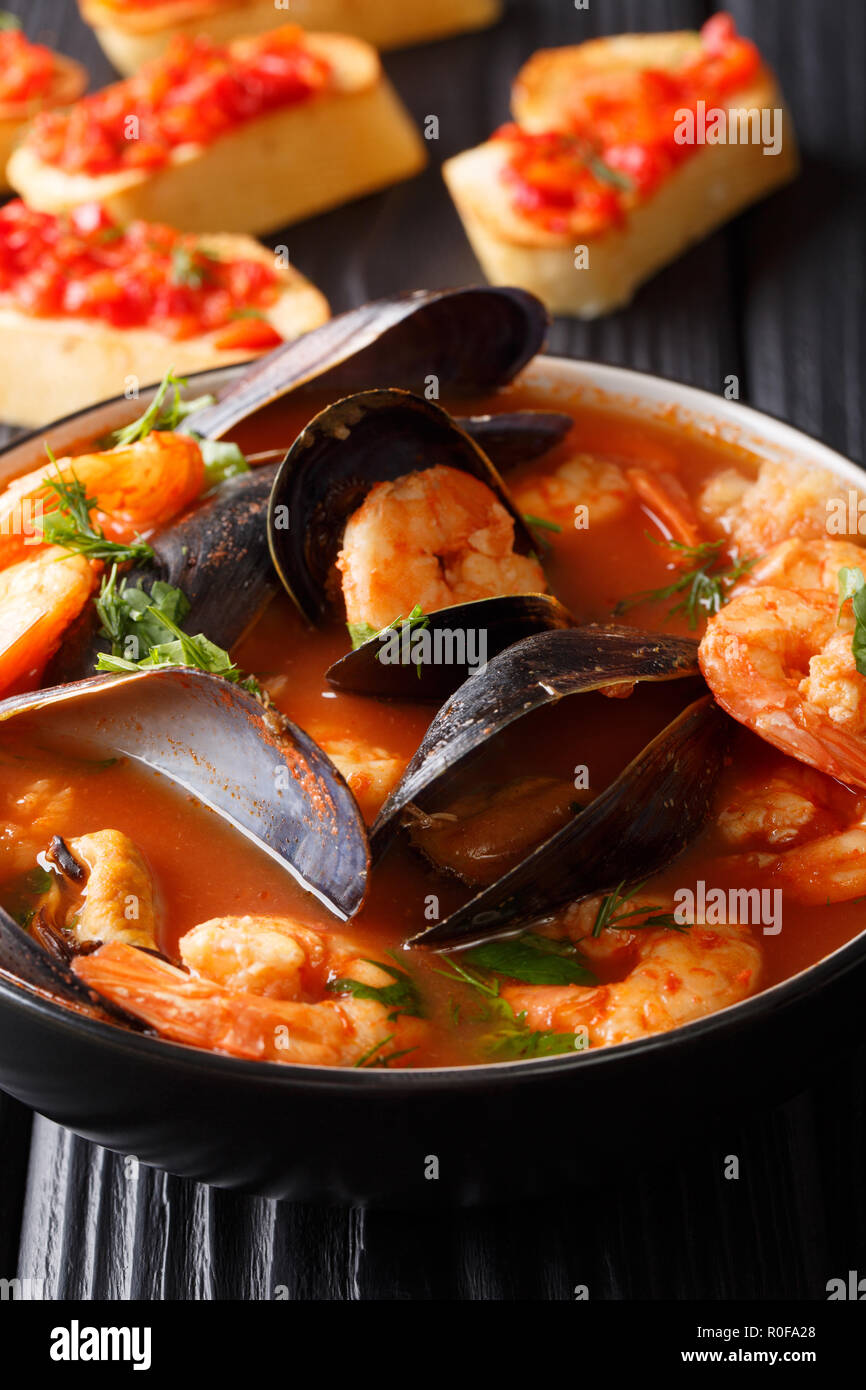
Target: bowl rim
{"type": "Point", "coordinates": [619, 388]}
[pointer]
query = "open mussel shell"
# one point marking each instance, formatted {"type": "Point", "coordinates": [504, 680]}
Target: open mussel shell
{"type": "Point", "coordinates": [23, 960]}
{"type": "Point", "coordinates": [429, 662]}
{"type": "Point", "coordinates": [371, 437]}
{"type": "Point", "coordinates": [533, 672]}
{"type": "Point", "coordinates": [248, 764]}
{"type": "Point", "coordinates": [516, 436]}
{"type": "Point", "coordinates": [471, 340]}
{"type": "Point", "coordinates": [641, 822]}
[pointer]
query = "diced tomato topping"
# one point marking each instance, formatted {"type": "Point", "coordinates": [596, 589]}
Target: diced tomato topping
{"type": "Point", "coordinates": [143, 275]}
{"type": "Point", "coordinates": [256, 334]}
{"type": "Point", "coordinates": [27, 70]}
{"type": "Point", "coordinates": [194, 93]}
{"type": "Point", "coordinates": [619, 142]}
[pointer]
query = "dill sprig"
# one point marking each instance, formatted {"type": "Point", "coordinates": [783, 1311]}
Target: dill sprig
{"type": "Point", "coordinates": [71, 528]}
{"type": "Point", "coordinates": [705, 587]}
{"type": "Point", "coordinates": [507, 1037]}
{"type": "Point", "coordinates": [610, 914]}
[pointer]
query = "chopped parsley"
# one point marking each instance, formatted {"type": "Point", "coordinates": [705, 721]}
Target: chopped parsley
{"type": "Point", "coordinates": [852, 585]}
{"type": "Point", "coordinates": [71, 528]}
{"type": "Point", "coordinates": [365, 632]}
{"type": "Point", "coordinates": [131, 615]}
{"type": "Point", "coordinates": [704, 588]}
{"type": "Point", "coordinates": [536, 960]}
{"type": "Point", "coordinates": [607, 174]}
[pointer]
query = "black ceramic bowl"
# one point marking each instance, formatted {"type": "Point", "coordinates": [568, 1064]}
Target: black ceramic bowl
{"type": "Point", "coordinates": [452, 1134]}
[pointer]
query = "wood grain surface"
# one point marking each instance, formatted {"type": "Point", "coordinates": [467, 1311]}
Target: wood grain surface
{"type": "Point", "coordinates": [777, 298]}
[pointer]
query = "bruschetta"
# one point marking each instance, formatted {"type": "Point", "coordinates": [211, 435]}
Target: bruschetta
{"type": "Point", "coordinates": [247, 136]}
{"type": "Point", "coordinates": [32, 79]}
{"type": "Point", "coordinates": [132, 32]}
{"type": "Point", "coordinates": [89, 308]}
{"type": "Point", "coordinates": [622, 153]}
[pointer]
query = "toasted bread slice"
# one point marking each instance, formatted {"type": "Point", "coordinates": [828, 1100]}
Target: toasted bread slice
{"type": "Point", "coordinates": [131, 37]}
{"type": "Point", "coordinates": [706, 189]}
{"type": "Point", "coordinates": [354, 138]}
{"type": "Point", "coordinates": [50, 367]}
{"type": "Point", "coordinates": [70, 81]}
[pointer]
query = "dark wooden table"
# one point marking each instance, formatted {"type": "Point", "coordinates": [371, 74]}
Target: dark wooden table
{"type": "Point", "coordinates": [776, 298]}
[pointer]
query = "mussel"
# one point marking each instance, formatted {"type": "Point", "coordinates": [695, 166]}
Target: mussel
{"type": "Point", "coordinates": [377, 436]}
{"type": "Point", "coordinates": [469, 340]}
{"type": "Point", "coordinates": [638, 824]}
{"type": "Point", "coordinates": [248, 764]}
{"type": "Point", "coordinates": [534, 672]}
{"type": "Point", "coordinates": [427, 662]}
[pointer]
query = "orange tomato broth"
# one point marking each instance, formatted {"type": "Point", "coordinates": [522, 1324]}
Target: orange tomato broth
{"type": "Point", "coordinates": [203, 869]}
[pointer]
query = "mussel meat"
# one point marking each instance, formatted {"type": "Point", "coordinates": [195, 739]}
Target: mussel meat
{"type": "Point", "coordinates": [536, 671]}
{"type": "Point", "coordinates": [642, 821]}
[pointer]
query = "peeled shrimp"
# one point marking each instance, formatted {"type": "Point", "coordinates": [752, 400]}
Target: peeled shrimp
{"type": "Point", "coordinates": [786, 500]}
{"type": "Point", "coordinates": [780, 661]}
{"type": "Point", "coordinates": [800, 831]}
{"type": "Point", "coordinates": [208, 1009]}
{"type": "Point", "coordinates": [137, 487]}
{"type": "Point", "coordinates": [434, 538]}
{"type": "Point", "coordinates": [586, 480]}
{"type": "Point", "coordinates": [39, 598]}
{"type": "Point", "coordinates": [372, 773]}
{"type": "Point", "coordinates": [678, 977]}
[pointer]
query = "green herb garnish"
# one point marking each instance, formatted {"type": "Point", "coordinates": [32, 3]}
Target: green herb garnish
{"type": "Point", "coordinates": [604, 172]}
{"type": "Point", "coordinates": [542, 523]}
{"type": "Point", "coordinates": [536, 960]}
{"type": "Point", "coordinates": [71, 528]}
{"type": "Point", "coordinates": [369, 1058]}
{"type": "Point", "coordinates": [9, 21]}
{"type": "Point", "coordinates": [132, 619]}
{"type": "Point", "coordinates": [165, 411]}
{"type": "Point", "coordinates": [190, 267]}
{"type": "Point", "coordinates": [401, 997]}
{"type": "Point", "coordinates": [185, 650]}
{"type": "Point", "coordinates": [222, 460]}
{"type": "Point", "coordinates": [18, 897]}
{"type": "Point", "coordinates": [610, 915]}
{"type": "Point", "coordinates": [705, 587]}
{"type": "Point", "coordinates": [507, 1036]}
{"type": "Point", "coordinates": [364, 632]}
{"type": "Point", "coordinates": [852, 585]}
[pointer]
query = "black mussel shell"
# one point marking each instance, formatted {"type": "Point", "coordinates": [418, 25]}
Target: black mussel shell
{"type": "Point", "coordinates": [642, 821]}
{"type": "Point", "coordinates": [459, 642]}
{"type": "Point", "coordinates": [470, 340]}
{"type": "Point", "coordinates": [248, 764]}
{"type": "Point", "coordinates": [26, 962]}
{"type": "Point", "coordinates": [516, 436]}
{"type": "Point", "coordinates": [371, 437]}
{"type": "Point", "coordinates": [217, 554]}
{"type": "Point", "coordinates": [533, 672]}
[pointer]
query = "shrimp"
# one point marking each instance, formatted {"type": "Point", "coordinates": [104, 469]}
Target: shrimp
{"type": "Point", "coordinates": [39, 598]}
{"type": "Point", "coordinates": [677, 977]}
{"type": "Point", "coordinates": [432, 538]}
{"type": "Point", "coordinates": [586, 480]}
{"type": "Point", "coordinates": [786, 500]}
{"type": "Point", "coordinates": [800, 831]}
{"type": "Point", "coordinates": [208, 1009]}
{"type": "Point", "coordinates": [138, 487]}
{"type": "Point", "coordinates": [664, 495]}
{"type": "Point", "coordinates": [101, 890]}
{"type": "Point", "coordinates": [371, 773]}
{"type": "Point", "coordinates": [780, 661]}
